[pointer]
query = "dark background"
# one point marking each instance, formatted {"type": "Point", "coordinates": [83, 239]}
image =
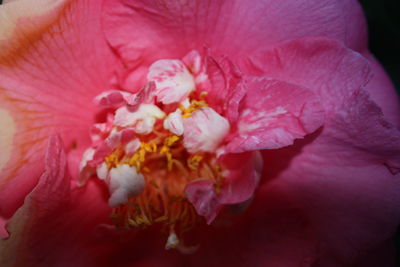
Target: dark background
{"type": "Point", "coordinates": [384, 41]}
{"type": "Point", "coordinates": [384, 34]}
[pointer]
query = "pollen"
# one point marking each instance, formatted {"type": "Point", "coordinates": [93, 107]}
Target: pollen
{"type": "Point", "coordinates": [167, 168]}
{"type": "Point", "coordinates": [113, 159]}
{"type": "Point", "coordinates": [194, 105]}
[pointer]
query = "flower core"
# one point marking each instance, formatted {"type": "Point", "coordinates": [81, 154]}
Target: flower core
{"type": "Point", "coordinates": [153, 144]}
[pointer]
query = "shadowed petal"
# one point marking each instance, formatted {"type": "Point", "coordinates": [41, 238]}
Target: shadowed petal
{"type": "Point", "coordinates": [52, 227]}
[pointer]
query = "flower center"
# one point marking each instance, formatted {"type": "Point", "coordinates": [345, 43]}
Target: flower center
{"type": "Point", "coordinates": [153, 144]}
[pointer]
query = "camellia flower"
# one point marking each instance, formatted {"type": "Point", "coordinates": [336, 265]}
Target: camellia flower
{"type": "Point", "coordinates": [191, 133]}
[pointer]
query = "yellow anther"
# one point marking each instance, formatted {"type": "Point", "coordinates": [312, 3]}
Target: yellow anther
{"type": "Point", "coordinates": [161, 219]}
{"type": "Point", "coordinates": [154, 184]}
{"type": "Point", "coordinates": [203, 95]}
{"type": "Point", "coordinates": [132, 223]}
{"type": "Point", "coordinates": [153, 147]}
{"type": "Point", "coordinates": [169, 161]}
{"type": "Point", "coordinates": [169, 141]}
{"type": "Point", "coordinates": [199, 104]}
{"type": "Point", "coordinates": [112, 160]}
{"type": "Point", "coordinates": [164, 150]}
{"type": "Point", "coordinates": [142, 154]}
{"type": "Point", "coordinates": [194, 105]}
{"type": "Point", "coordinates": [193, 162]}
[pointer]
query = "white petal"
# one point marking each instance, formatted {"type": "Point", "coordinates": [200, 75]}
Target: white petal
{"type": "Point", "coordinates": [174, 122]}
{"type": "Point", "coordinates": [125, 182]}
{"type": "Point", "coordinates": [85, 171]}
{"type": "Point", "coordinates": [132, 146]}
{"type": "Point", "coordinates": [102, 171]}
{"type": "Point", "coordinates": [142, 119]}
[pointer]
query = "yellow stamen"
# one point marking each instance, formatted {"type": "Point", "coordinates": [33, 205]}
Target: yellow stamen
{"type": "Point", "coordinates": [194, 105]}
{"type": "Point", "coordinates": [193, 162]}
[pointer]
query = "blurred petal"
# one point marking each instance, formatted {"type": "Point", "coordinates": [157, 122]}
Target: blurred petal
{"type": "Point", "coordinates": [51, 192]}
{"type": "Point", "coordinates": [53, 61]}
{"type": "Point", "coordinates": [52, 227]}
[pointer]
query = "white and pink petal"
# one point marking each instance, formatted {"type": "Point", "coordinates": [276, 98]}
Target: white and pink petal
{"type": "Point", "coordinates": [204, 130]}
{"type": "Point", "coordinates": [173, 80]}
{"type": "Point", "coordinates": [273, 115]}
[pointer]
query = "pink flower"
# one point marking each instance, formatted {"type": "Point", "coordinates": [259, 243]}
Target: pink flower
{"type": "Point", "coordinates": [101, 103]}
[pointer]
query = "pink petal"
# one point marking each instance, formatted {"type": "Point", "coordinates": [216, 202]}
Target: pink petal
{"type": "Point", "coordinates": [144, 31]}
{"type": "Point", "coordinates": [202, 195]}
{"type": "Point", "coordinates": [52, 227]}
{"type": "Point", "coordinates": [51, 66]}
{"type": "Point", "coordinates": [242, 178]}
{"type": "Point", "coordinates": [102, 151]}
{"type": "Point", "coordinates": [242, 175]}
{"type": "Point", "coordinates": [274, 114]}
{"type": "Point", "coordinates": [349, 196]}
{"type": "Point", "coordinates": [339, 174]}
{"type": "Point", "coordinates": [110, 98]}
{"type": "Point", "coordinates": [339, 83]}
{"type": "Point", "coordinates": [225, 89]}
{"type": "Point", "coordinates": [383, 92]}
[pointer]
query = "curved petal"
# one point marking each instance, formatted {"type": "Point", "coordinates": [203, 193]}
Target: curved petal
{"type": "Point", "coordinates": [273, 114]}
{"type": "Point", "coordinates": [53, 61]}
{"type": "Point", "coordinates": [356, 30]}
{"type": "Point", "coordinates": [144, 31]}
{"type": "Point", "coordinates": [41, 232]}
{"type": "Point", "coordinates": [383, 92]}
{"type": "Point", "coordinates": [338, 76]}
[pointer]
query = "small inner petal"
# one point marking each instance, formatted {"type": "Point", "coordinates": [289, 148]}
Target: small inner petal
{"type": "Point", "coordinates": [173, 80]}
{"type": "Point", "coordinates": [204, 130]}
{"type": "Point", "coordinates": [125, 182]}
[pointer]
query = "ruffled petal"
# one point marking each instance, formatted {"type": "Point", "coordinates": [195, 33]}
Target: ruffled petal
{"type": "Point", "coordinates": [273, 115]}
{"type": "Point", "coordinates": [338, 76]}
{"type": "Point", "coordinates": [53, 61]}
